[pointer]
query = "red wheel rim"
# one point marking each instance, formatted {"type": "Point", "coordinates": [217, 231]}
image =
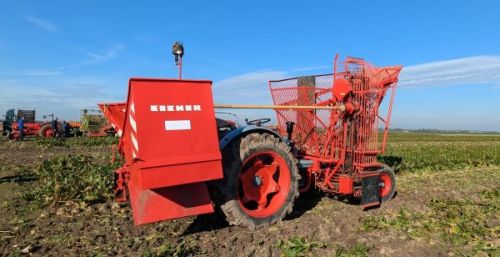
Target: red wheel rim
{"type": "Point", "coordinates": [49, 133]}
{"type": "Point", "coordinates": [263, 184]}
{"type": "Point", "coordinates": [386, 184]}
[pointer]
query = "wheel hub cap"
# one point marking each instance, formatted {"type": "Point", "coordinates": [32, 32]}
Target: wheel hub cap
{"type": "Point", "coordinates": [257, 181]}
{"type": "Point", "coordinates": [263, 184]}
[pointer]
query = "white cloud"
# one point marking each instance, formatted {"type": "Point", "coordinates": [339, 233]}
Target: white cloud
{"type": "Point", "coordinates": [106, 55]}
{"type": "Point", "coordinates": [61, 93]}
{"type": "Point", "coordinates": [320, 67]}
{"type": "Point", "coordinates": [64, 96]}
{"type": "Point", "coordinates": [32, 73]}
{"type": "Point", "coordinates": [43, 73]}
{"type": "Point", "coordinates": [100, 57]}
{"type": "Point", "coordinates": [462, 71]}
{"type": "Point", "coordinates": [42, 23]}
{"type": "Point", "coordinates": [253, 87]}
{"type": "Point", "coordinates": [250, 87]}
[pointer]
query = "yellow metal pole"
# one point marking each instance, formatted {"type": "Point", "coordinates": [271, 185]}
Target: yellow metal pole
{"type": "Point", "coordinates": [278, 107]}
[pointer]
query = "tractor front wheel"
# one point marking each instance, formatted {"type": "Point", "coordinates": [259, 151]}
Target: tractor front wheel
{"type": "Point", "coordinates": [260, 181]}
{"type": "Point", "coordinates": [7, 134]}
{"type": "Point", "coordinates": [387, 182]}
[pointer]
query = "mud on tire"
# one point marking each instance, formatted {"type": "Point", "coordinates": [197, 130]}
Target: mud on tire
{"type": "Point", "coordinates": [235, 160]}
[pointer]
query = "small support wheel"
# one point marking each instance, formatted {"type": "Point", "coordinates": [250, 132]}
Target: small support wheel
{"type": "Point", "coordinates": [260, 181]}
{"type": "Point", "coordinates": [387, 183]}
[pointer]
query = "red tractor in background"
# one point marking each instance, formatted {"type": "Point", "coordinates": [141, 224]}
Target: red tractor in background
{"type": "Point", "coordinates": [92, 124]}
{"type": "Point", "coordinates": [32, 127]}
{"type": "Point", "coordinates": [178, 156]}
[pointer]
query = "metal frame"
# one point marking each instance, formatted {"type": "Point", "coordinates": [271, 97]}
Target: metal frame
{"type": "Point", "coordinates": [339, 142]}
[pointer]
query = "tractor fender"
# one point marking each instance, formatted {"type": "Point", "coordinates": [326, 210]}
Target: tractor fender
{"type": "Point", "coordinates": [243, 131]}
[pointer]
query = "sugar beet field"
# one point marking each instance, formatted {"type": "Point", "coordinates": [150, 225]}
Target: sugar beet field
{"type": "Point", "coordinates": [55, 200]}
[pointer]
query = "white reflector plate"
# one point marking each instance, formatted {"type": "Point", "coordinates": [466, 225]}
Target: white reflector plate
{"type": "Point", "coordinates": [177, 125]}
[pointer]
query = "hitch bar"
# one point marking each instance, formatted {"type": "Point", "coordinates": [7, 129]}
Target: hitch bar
{"type": "Point", "coordinates": [279, 107]}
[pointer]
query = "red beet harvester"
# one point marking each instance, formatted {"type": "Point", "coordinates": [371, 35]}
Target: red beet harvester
{"type": "Point", "coordinates": [179, 159]}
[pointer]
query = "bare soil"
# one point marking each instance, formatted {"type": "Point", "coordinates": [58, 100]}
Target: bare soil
{"type": "Point", "coordinates": [69, 228]}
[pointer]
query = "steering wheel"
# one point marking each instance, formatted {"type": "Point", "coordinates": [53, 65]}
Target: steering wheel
{"type": "Point", "coordinates": [258, 122]}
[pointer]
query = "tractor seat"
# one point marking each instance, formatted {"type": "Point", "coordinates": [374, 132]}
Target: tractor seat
{"type": "Point", "coordinates": [223, 125]}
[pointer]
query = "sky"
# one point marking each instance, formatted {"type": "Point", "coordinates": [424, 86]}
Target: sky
{"type": "Point", "coordinates": [62, 56]}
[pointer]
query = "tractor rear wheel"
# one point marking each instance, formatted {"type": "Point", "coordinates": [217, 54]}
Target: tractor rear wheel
{"type": "Point", "coordinates": [260, 181]}
{"type": "Point", "coordinates": [46, 131]}
{"type": "Point", "coordinates": [387, 182]}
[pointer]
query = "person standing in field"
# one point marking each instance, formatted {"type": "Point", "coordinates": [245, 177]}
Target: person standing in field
{"type": "Point", "coordinates": [66, 129]}
{"type": "Point", "coordinates": [20, 126]}
{"type": "Point", "coordinates": [55, 128]}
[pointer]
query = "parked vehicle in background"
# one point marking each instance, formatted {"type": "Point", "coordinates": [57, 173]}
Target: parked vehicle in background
{"type": "Point", "coordinates": [32, 127]}
{"type": "Point", "coordinates": [94, 124]}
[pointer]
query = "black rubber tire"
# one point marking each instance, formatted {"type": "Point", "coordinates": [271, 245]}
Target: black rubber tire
{"type": "Point", "coordinates": [110, 132]}
{"type": "Point", "coordinates": [44, 129]}
{"type": "Point", "coordinates": [233, 158]}
{"type": "Point", "coordinates": [7, 134]}
{"type": "Point", "coordinates": [387, 170]}
{"type": "Point", "coordinates": [304, 181]}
